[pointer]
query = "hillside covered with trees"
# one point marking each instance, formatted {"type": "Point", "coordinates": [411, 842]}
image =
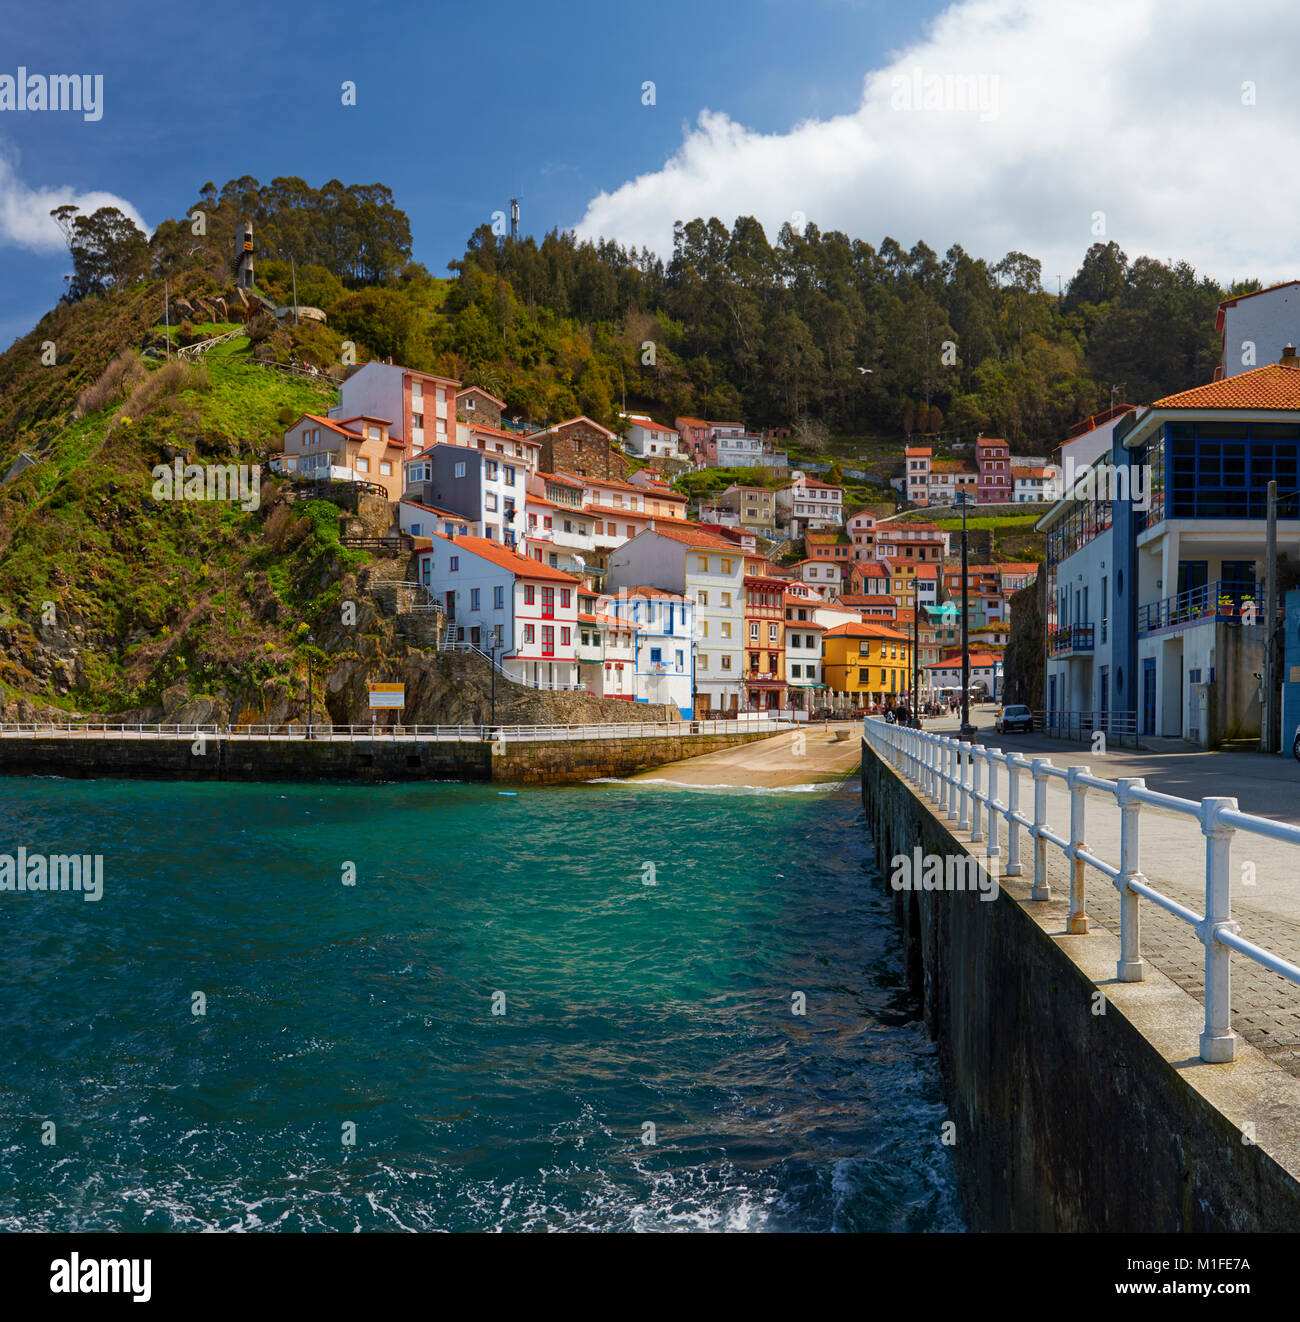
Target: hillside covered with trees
{"type": "Point", "coordinates": [812, 330]}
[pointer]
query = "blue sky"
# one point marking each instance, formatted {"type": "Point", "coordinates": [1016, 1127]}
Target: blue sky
{"type": "Point", "coordinates": [549, 94]}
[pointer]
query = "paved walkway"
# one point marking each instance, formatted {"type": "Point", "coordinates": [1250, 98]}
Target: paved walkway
{"type": "Point", "coordinates": [1266, 873]}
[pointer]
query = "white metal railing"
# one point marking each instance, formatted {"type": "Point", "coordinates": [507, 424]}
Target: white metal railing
{"type": "Point", "coordinates": [947, 771]}
{"type": "Point", "coordinates": [450, 733]}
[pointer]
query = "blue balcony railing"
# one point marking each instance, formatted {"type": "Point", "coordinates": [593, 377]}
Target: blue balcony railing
{"type": "Point", "coordinates": [1070, 639]}
{"type": "Point", "coordinates": [1215, 601]}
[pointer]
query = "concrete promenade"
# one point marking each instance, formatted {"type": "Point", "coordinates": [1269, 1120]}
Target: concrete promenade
{"type": "Point", "coordinates": [1265, 897]}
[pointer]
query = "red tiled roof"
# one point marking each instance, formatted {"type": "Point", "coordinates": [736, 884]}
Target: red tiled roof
{"type": "Point", "coordinates": [976, 659]}
{"type": "Point", "coordinates": [866, 630]}
{"type": "Point", "coordinates": [1274, 386]}
{"type": "Point", "coordinates": [520, 565]}
{"type": "Point", "coordinates": [693, 537]}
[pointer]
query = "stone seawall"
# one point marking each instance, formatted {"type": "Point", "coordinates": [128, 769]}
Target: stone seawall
{"type": "Point", "coordinates": [1079, 1102]}
{"type": "Point", "coordinates": [522, 763]}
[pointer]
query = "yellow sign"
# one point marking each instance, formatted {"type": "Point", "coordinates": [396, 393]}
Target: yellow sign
{"type": "Point", "coordinates": [387, 695]}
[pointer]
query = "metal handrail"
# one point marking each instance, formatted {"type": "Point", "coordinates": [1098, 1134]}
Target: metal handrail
{"type": "Point", "coordinates": [450, 733]}
{"type": "Point", "coordinates": [947, 772]}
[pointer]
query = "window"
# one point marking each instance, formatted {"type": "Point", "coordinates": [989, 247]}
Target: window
{"type": "Point", "coordinates": [565, 635]}
{"type": "Point", "coordinates": [489, 500]}
{"type": "Point", "coordinates": [363, 465]}
{"type": "Point", "coordinates": [726, 600]}
{"type": "Point", "coordinates": [702, 564]}
{"type": "Point", "coordinates": [656, 656]}
{"type": "Point", "coordinates": [498, 598]}
{"type": "Point", "coordinates": [703, 598]}
{"type": "Point", "coordinates": [753, 631]}
{"type": "Point", "coordinates": [679, 659]}
{"type": "Point", "coordinates": [703, 660]}
{"type": "Point", "coordinates": [726, 662]}
{"type": "Point", "coordinates": [726, 629]}
{"type": "Point", "coordinates": [726, 565]}
{"type": "Point", "coordinates": [548, 640]}
{"type": "Point", "coordinates": [508, 475]}
{"type": "Point", "coordinates": [460, 470]}
{"type": "Point", "coordinates": [529, 590]}
{"type": "Point", "coordinates": [704, 628]}
{"type": "Point", "coordinates": [771, 633]}
{"type": "Point", "coordinates": [565, 596]}
{"type": "Point", "coordinates": [491, 470]}
{"type": "Point", "coordinates": [529, 635]}
{"type": "Point", "coordinates": [454, 564]}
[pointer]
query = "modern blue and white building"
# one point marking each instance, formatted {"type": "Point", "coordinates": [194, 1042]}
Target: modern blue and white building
{"type": "Point", "coordinates": [1155, 562]}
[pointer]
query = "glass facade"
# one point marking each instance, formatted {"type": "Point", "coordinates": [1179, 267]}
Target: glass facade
{"type": "Point", "coordinates": [1221, 470]}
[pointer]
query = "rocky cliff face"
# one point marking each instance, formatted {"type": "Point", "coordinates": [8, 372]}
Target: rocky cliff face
{"type": "Point", "coordinates": [362, 641]}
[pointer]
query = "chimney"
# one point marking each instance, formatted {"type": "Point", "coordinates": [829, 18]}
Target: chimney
{"type": "Point", "coordinates": [1288, 356]}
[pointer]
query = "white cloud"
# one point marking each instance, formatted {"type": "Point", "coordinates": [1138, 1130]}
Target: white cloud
{"type": "Point", "coordinates": [1131, 108]}
{"type": "Point", "coordinates": [25, 212]}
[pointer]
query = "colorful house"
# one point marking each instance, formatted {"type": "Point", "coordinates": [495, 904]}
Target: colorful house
{"type": "Point", "coordinates": [866, 665]}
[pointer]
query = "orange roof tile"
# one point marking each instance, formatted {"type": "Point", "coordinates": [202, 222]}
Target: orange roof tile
{"type": "Point", "coordinates": [1273, 386]}
{"type": "Point", "coordinates": [520, 565]}
{"type": "Point", "coordinates": [866, 630]}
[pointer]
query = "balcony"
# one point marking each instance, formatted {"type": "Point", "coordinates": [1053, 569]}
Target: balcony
{"type": "Point", "coordinates": [1218, 601]}
{"type": "Point", "coordinates": [1070, 640]}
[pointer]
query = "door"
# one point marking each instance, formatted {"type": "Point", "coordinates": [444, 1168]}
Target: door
{"type": "Point", "coordinates": [548, 604]}
{"type": "Point", "coordinates": [1148, 695]}
{"type": "Point", "coordinates": [451, 605]}
{"type": "Point", "coordinates": [1103, 696]}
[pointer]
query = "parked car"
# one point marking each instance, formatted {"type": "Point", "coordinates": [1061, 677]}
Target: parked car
{"type": "Point", "coordinates": [1015, 717]}
{"type": "Point", "coordinates": [1295, 744]}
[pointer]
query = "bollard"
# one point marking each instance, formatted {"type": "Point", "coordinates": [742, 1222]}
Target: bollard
{"type": "Point", "coordinates": [1077, 923]}
{"type": "Point", "coordinates": [1218, 1041]}
{"type": "Point", "coordinates": [1042, 890]}
{"type": "Point", "coordinates": [1013, 807]}
{"type": "Point", "coordinates": [1129, 967]}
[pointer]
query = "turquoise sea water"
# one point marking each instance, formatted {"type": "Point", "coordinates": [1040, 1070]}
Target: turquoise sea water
{"type": "Point", "coordinates": [626, 1005]}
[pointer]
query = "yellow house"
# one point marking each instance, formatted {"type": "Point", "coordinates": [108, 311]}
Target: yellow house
{"type": "Point", "coordinates": [866, 665]}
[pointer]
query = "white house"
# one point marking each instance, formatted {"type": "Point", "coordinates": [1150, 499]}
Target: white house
{"type": "Point", "coordinates": [504, 604]}
{"type": "Point", "coordinates": [806, 503]}
{"type": "Point", "coordinates": [1257, 327]}
{"type": "Point", "coordinates": [648, 439]}
{"type": "Point", "coordinates": [803, 651]}
{"type": "Point", "coordinates": [664, 624]}
{"type": "Point", "coordinates": [606, 650]}
{"type": "Point", "coordinates": [711, 571]}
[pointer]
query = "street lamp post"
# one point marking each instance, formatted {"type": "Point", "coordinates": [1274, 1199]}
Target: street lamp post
{"type": "Point", "coordinates": [311, 642]}
{"type": "Point", "coordinates": [967, 731]}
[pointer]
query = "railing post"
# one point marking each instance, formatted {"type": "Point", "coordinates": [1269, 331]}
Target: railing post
{"type": "Point", "coordinates": [976, 831]}
{"type": "Point", "coordinates": [963, 794]}
{"type": "Point", "coordinates": [1218, 1041]}
{"type": "Point", "coordinates": [1013, 868]}
{"type": "Point", "coordinates": [992, 849]}
{"type": "Point", "coordinates": [1129, 967]}
{"type": "Point", "coordinates": [1077, 924]}
{"type": "Point", "coordinates": [945, 775]}
{"type": "Point", "coordinates": [1038, 769]}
